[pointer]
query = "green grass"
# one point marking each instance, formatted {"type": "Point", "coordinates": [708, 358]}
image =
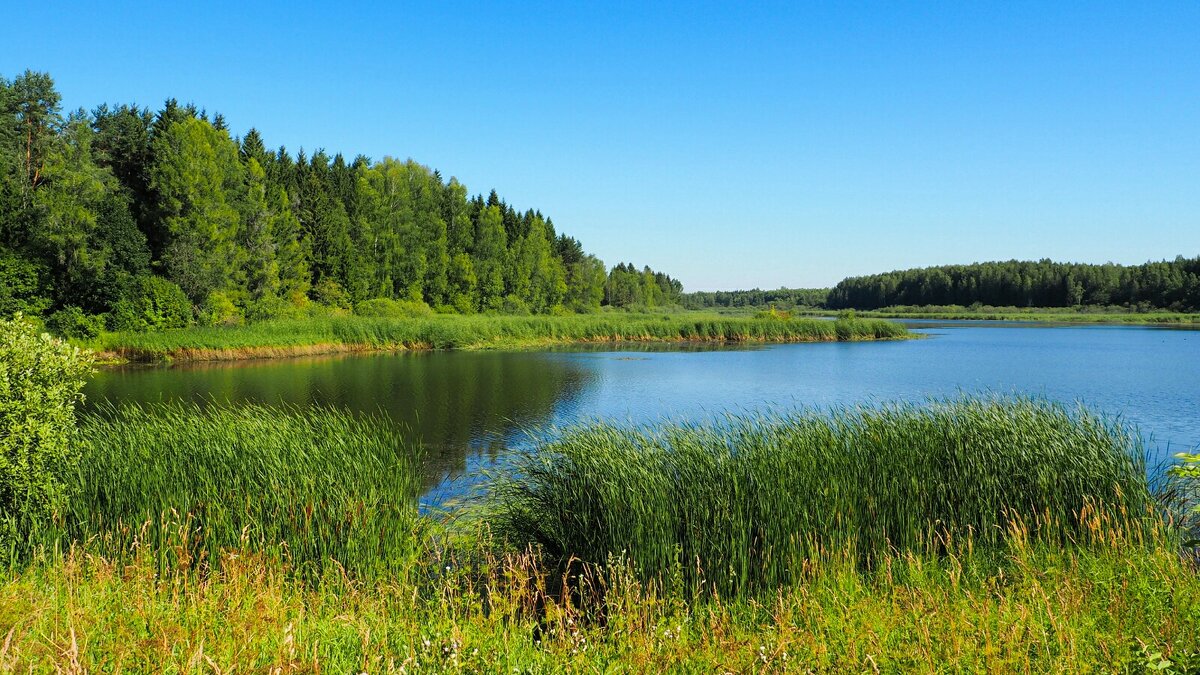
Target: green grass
{"type": "Point", "coordinates": [744, 505]}
{"type": "Point", "coordinates": [318, 487]}
{"type": "Point", "coordinates": [1108, 608]}
{"type": "Point", "coordinates": [962, 536]}
{"type": "Point", "coordinates": [475, 332]}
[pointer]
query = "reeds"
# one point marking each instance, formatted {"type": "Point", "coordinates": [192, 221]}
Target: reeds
{"type": "Point", "coordinates": [747, 503]}
{"type": "Point", "coordinates": [464, 332]}
{"type": "Point", "coordinates": [319, 487]}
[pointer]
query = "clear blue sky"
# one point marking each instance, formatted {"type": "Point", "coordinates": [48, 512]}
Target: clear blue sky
{"type": "Point", "coordinates": [731, 145]}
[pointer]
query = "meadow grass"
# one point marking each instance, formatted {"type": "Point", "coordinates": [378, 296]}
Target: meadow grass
{"type": "Point", "coordinates": [969, 535]}
{"type": "Point", "coordinates": [1112, 607]}
{"type": "Point", "coordinates": [271, 338]}
{"type": "Point", "coordinates": [319, 487]}
{"type": "Point", "coordinates": [743, 505]}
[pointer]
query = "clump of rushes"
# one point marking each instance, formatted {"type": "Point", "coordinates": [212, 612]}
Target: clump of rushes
{"type": "Point", "coordinates": [748, 503]}
{"type": "Point", "coordinates": [271, 338]}
{"type": "Point", "coordinates": [319, 487]}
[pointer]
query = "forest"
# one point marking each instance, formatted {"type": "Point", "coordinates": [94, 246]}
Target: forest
{"type": "Point", "coordinates": [1169, 285]}
{"type": "Point", "coordinates": [138, 220]}
{"type": "Point", "coordinates": [781, 298]}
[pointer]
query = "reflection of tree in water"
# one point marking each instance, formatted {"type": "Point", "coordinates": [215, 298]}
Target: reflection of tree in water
{"type": "Point", "coordinates": [461, 405]}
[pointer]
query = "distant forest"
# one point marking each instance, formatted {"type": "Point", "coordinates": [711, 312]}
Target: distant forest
{"type": "Point", "coordinates": [1170, 285]}
{"type": "Point", "coordinates": [780, 298]}
{"type": "Point", "coordinates": [156, 219]}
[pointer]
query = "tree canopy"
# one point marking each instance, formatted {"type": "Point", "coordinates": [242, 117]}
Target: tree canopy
{"type": "Point", "coordinates": [92, 204]}
{"type": "Point", "coordinates": [1173, 285]}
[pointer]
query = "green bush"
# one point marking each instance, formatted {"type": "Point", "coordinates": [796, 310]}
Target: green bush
{"type": "Point", "coordinates": [73, 322]}
{"type": "Point", "coordinates": [395, 309]}
{"type": "Point", "coordinates": [220, 310]}
{"type": "Point", "coordinates": [153, 304]}
{"type": "Point", "coordinates": [40, 382]}
{"type": "Point", "coordinates": [330, 293]}
{"type": "Point", "coordinates": [271, 307]}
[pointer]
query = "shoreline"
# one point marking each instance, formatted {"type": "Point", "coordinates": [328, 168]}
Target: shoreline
{"type": "Point", "coordinates": [126, 356]}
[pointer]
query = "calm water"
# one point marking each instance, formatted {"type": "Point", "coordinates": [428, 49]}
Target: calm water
{"type": "Point", "coordinates": [468, 407]}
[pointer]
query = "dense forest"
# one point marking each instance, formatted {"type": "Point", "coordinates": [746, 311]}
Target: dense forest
{"type": "Point", "coordinates": [146, 220]}
{"type": "Point", "coordinates": [780, 298]}
{"type": "Point", "coordinates": [1173, 285]}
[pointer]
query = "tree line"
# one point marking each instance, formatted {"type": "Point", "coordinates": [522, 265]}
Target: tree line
{"type": "Point", "coordinates": [780, 298]}
{"type": "Point", "coordinates": [154, 219]}
{"type": "Point", "coordinates": [1170, 285]}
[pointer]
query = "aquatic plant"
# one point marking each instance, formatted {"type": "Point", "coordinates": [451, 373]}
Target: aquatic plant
{"type": "Point", "coordinates": [317, 486]}
{"type": "Point", "coordinates": [478, 332]}
{"type": "Point", "coordinates": [748, 502]}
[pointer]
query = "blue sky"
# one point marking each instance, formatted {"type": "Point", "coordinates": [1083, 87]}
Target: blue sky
{"type": "Point", "coordinates": [731, 145]}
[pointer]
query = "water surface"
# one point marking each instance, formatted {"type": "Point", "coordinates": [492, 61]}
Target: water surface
{"type": "Point", "coordinates": [468, 407]}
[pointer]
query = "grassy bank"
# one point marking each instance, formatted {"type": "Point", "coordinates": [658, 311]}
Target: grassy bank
{"type": "Point", "coordinates": [351, 333]}
{"type": "Point", "coordinates": [968, 535]}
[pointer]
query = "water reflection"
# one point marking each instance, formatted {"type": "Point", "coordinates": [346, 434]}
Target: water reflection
{"type": "Point", "coordinates": [463, 407]}
{"type": "Point", "coordinates": [467, 407]}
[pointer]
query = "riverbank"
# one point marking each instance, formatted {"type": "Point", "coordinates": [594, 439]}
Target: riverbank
{"type": "Point", "coordinates": [273, 339]}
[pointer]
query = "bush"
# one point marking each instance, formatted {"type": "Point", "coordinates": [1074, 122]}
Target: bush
{"type": "Point", "coordinates": [271, 307]}
{"type": "Point", "coordinates": [220, 310]}
{"type": "Point", "coordinates": [772, 313]}
{"type": "Point", "coordinates": [40, 382]}
{"type": "Point", "coordinates": [331, 294]}
{"type": "Point", "coordinates": [153, 304]}
{"type": "Point", "coordinates": [514, 306]}
{"type": "Point", "coordinates": [392, 309]}
{"type": "Point", "coordinates": [72, 322]}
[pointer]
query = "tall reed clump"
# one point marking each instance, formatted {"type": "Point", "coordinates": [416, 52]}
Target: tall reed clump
{"type": "Point", "coordinates": [748, 503]}
{"type": "Point", "coordinates": [317, 487]}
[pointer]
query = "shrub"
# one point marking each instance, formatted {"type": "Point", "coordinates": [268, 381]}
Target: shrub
{"type": "Point", "coordinates": [515, 306]}
{"type": "Point", "coordinates": [40, 382]}
{"type": "Point", "coordinates": [773, 313]}
{"type": "Point", "coordinates": [153, 303]}
{"type": "Point", "coordinates": [271, 307]}
{"type": "Point", "coordinates": [72, 322]}
{"type": "Point", "coordinates": [220, 310]}
{"type": "Point", "coordinates": [388, 308]}
{"type": "Point", "coordinates": [331, 294]}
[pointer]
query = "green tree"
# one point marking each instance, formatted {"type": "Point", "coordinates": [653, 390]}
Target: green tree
{"type": "Point", "coordinates": [68, 202]}
{"type": "Point", "coordinates": [257, 235]}
{"type": "Point", "coordinates": [489, 258]}
{"type": "Point", "coordinates": [197, 179]}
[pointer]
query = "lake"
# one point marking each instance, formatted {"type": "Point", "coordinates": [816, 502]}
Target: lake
{"type": "Point", "coordinates": [467, 408]}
